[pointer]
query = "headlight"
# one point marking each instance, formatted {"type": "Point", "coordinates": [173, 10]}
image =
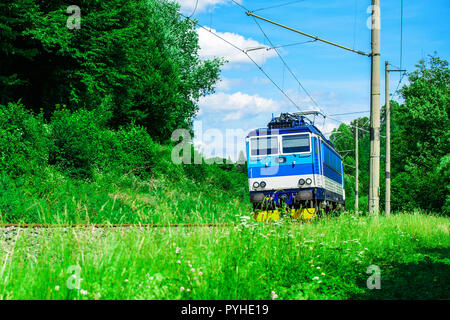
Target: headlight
{"type": "Point", "coordinates": [301, 182]}
{"type": "Point", "coordinates": [308, 181]}
{"type": "Point", "coordinates": [262, 184]}
{"type": "Point", "coordinates": [255, 185]}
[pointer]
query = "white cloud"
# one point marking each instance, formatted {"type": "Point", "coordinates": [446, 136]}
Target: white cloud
{"type": "Point", "coordinates": [226, 84]}
{"type": "Point", "coordinates": [212, 47]}
{"type": "Point", "coordinates": [188, 6]}
{"type": "Point", "coordinates": [237, 105]}
{"type": "Point", "coordinates": [326, 127]}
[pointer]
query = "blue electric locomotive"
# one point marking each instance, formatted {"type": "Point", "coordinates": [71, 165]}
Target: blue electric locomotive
{"type": "Point", "coordinates": [292, 165]}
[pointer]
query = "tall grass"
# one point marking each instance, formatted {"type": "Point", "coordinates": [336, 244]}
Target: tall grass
{"type": "Point", "coordinates": [113, 198]}
{"type": "Point", "coordinates": [326, 259]}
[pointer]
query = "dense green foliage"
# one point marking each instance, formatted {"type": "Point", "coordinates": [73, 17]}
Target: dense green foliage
{"type": "Point", "coordinates": [327, 259]}
{"type": "Point", "coordinates": [74, 170]}
{"type": "Point", "coordinates": [420, 131]}
{"type": "Point", "coordinates": [24, 140]}
{"type": "Point", "coordinates": [137, 58]}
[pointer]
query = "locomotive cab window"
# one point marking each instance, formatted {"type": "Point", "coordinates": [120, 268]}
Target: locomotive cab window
{"type": "Point", "coordinates": [298, 143]}
{"type": "Point", "coordinates": [264, 146]}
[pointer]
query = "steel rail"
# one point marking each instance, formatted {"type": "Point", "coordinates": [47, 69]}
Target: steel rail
{"type": "Point", "coordinates": [176, 225]}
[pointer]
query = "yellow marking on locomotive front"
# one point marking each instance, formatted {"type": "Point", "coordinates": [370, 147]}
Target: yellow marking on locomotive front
{"type": "Point", "coordinates": [274, 215]}
{"type": "Point", "coordinates": [303, 214]}
{"type": "Point", "coordinates": [270, 215]}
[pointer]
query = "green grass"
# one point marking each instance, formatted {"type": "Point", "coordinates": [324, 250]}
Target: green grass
{"type": "Point", "coordinates": [56, 199]}
{"type": "Point", "coordinates": [324, 259]}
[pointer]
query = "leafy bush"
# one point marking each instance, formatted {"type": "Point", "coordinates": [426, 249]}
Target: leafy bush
{"type": "Point", "coordinates": [24, 140]}
{"type": "Point", "coordinates": [129, 150]}
{"type": "Point", "coordinates": [75, 138]}
{"type": "Point", "coordinates": [12, 200]}
{"type": "Point", "coordinates": [443, 172]}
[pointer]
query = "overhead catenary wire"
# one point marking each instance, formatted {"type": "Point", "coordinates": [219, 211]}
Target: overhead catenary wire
{"type": "Point", "coordinates": [291, 44]}
{"type": "Point", "coordinates": [349, 113]}
{"type": "Point", "coordinates": [354, 23]}
{"type": "Point", "coordinates": [260, 67]}
{"type": "Point", "coordinates": [348, 124]}
{"type": "Point", "coordinates": [195, 9]}
{"type": "Point", "coordinates": [255, 63]}
{"type": "Point", "coordinates": [401, 33]}
{"type": "Point", "coordinates": [309, 35]}
{"type": "Point", "coordinates": [240, 49]}
{"type": "Point", "coordinates": [287, 66]}
{"type": "Point", "coordinates": [402, 74]}
{"type": "Point", "coordinates": [240, 5]}
{"type": "Point", "coordinates": [298, 81]}
{"type": "Point", "coordinates": [278, 5]}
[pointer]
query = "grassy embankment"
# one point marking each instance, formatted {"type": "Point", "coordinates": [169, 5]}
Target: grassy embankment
{"type": "Point", "coordinates": [57, 199]}
{"type": "Point", "coordinates": [75, 169]}
{"type": "Point", "coordinates": [324, 259]}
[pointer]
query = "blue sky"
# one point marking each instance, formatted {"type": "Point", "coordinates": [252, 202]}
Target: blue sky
{"type": "Point", "coordinates": [338, 80]}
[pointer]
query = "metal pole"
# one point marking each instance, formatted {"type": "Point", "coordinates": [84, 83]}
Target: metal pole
{"type": "Point", "coordinates": [374, 165]}
{"type": "Point", "coordinates": [356, 168]}
{"type": "Point", "coordinates": [388, 143]}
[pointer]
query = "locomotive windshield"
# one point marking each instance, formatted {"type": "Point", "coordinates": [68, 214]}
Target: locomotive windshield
{"type": "Point", "coordinates": [296, 143]}
{"type": "Point", "coordinates": [264, 146]}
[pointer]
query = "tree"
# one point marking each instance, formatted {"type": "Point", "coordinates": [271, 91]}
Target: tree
{"type": "Point", "coordinates": [16, 51]}
{"type": "Point", "coordinates": [139, 59]}
{"type": "Point", "coordinates": [344, 140]}
{"type": "Point", "coordinates": [422, 142]}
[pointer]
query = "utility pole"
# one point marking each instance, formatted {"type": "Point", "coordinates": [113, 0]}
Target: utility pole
{"type": "Point", "coordinates": [388, 143]}
{"type": "Point", "coordinates": [374, 165]}
{"type": "Point", "coordinates": [388, 138]}
{"type": "Point", "coordinates": [356, 168]}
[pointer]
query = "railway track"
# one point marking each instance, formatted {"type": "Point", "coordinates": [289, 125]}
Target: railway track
{"type": "Point", "coordinates": [176, 225]}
